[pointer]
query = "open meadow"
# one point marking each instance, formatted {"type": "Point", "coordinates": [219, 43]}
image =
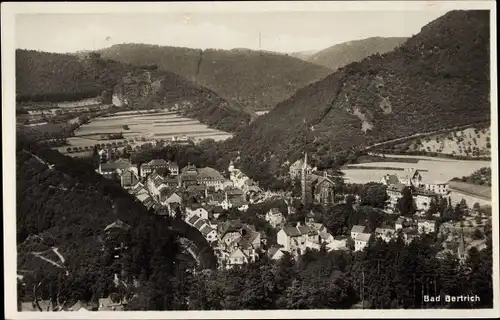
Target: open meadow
{"type": "Point", "coordinates": [434, 169]}
{"type": "Point", "coordinates": [141, 127]}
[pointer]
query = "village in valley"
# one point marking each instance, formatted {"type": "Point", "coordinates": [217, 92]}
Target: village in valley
{"type": "Point", "coordinates": [213, 174]}
{"type": "Point", "coordinates": [202, 198]}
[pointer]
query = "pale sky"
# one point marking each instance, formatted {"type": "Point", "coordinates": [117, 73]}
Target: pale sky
{"type": "Point", "coordinates": [280, 31]}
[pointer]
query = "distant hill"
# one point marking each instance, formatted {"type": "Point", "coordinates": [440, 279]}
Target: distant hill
{"type": "Point", "coordinates": [438, 79]}
{"type": "Point", "coordinates": [42, 76]}
{"type": "Point", "coordinates": [255, 79]}
{"type": "Point", "coordinates": [304, 55]}
{"type": "Point", "coordinates": [344, 53]}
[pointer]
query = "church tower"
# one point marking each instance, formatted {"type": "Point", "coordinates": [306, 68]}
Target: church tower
{"type": "Point", "coordinates": [306, 182]}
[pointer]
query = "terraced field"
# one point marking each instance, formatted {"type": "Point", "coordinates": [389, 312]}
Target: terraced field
{"type": "Point", "coordinates": [141, 127]}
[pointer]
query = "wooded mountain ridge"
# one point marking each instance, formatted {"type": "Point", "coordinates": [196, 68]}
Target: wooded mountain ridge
{"type": "Point", "coordinates": [437, 79]}
{"type": "Point", "coordinates": [254, 79]}
{"type": "Point", "coordinates": [42, 76]}
{"type": "Point", "coordinates": [342, 54]}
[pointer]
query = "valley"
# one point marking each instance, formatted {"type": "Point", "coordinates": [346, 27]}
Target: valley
{"type": "Point", "coordinates": [159, 177]}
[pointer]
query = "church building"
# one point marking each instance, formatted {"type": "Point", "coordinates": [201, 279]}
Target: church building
{"type": "Point", "coordinates": [320, 189]}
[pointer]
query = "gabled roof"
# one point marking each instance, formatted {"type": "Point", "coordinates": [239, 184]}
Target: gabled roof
{"type": "Point", "coordinates": [321, 180]}
{"type": "Point", "coordinates": [400, 220]}
{"type": "Point", "coordinates": [210, 173]}
{"type": "Point", "coordinates": [238, 252]}
{"type": "Point", "coordinates": [271, 252]}
{"type": "Point", "coordinates": [391, 179]}
{"type": "Point", "coordinates": [363, 237]}
{"type": "Point", "coordinates": [274, 211]}
{"type": "Point", "coordinates": [143, 196]}
{"type": "Point", "coordinates": [206, 230]}
{"type": "Point", "coordinates": [246, 241]}
{"type": "Point", "coordinates": [325, 235]}
{"type": "Point", "coordinates": [157, 162]}
{"type": "Point", "coordinates": [291, 231]}
{"type": "Point", "coordinates": [398, 187]}
{"type": "Point", "coordinates": [193, 219]}
{"type": "Point", "coordinates": [189, 169]}
{"type": "Point", "coordinates": [199, 223]}
{"type": "Point", "coordinates": [230, 226]}
{"type": "Point", "coordinates": [358, 228]}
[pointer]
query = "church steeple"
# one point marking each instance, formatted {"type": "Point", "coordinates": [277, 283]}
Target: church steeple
{"type": "Point", "coordinates": [305, 182]}
{"type": "Point", "coordinates": [462, 252]}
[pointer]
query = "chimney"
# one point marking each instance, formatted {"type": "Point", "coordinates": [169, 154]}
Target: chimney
{"type": "Point", "coordinates": [325, 174]}
{"type": "Point", "coordinates": [298, 224]}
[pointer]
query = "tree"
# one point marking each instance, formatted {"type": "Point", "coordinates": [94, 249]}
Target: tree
{"type": "Point", "coordinates": [336, 219]}
{"type": "Point", "coordinates": [374, 195]}
{"type": "Point", "coordinates": [478, 234]}
{"type": "Point", "coordinates": [406, 204]}
{"type": "Point", "coordinates": [433, 209]}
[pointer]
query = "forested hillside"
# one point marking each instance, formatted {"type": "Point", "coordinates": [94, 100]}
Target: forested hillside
{"type": "Point", "coordinates": [342, 54]}
{"type": "Point", "coordinates": [67, 207]}
{"type": "Point", "coordinates": [438, 79]}
{"type": "Point", "coordinates": [42, 76]}
{"type": "Point", "coordinates": [254, 79]}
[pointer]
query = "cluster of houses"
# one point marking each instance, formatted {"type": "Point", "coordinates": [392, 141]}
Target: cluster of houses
{"type": "Point", "coordinates": [423, 189]}
{"type": "Point", "coordinates": [161, 185]}
{"type": "Point", "coordinates": [409, 228]}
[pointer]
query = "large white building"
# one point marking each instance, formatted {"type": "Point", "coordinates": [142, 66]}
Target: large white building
{"type": "Point", "coordinates": [361, 241]}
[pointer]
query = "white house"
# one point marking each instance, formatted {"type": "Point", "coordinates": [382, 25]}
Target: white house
{"type": "Point", "coordinates": [209, 233]}
{"type": "Point", "coordinates": [411, 177]}
{"type": "Point", "coordinates": [199, 211]}
{"type": "Point", "coordinates": [361, 241]}
{"type": "Point", "coordinates": [399, 223]}
{"type": "Point", "coordinates": [423, 199]}
{"type": "Point", "coordinates": [395, 192]}
{"type": "Point", "coordinates": [337, 244]}
{"type": "Point", "coordinates": [436, 183]}
{"type": "Point", "coordinates": [173, 197]}
{"type": "Point", "coordinates": [238, 178]}
{"type": "Point", "coordinates": [326, 237]}
{"type": "Point", "coordinates": [237, 257]}
{"type": "Point", "coordinates": [290, 238]}
{"type": "Point", "coordinates": [275, 253]}
{"type": "Point", "coordinates": [357, 229]}
{"type": "Point", "coordinates": [296, 239]}
{"type": "Point", "coordinates": [389, 179]}
{"type": "Point", "coordinates": [275, 217]}
{"type": "Point", "coordinates": [426, 226]}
